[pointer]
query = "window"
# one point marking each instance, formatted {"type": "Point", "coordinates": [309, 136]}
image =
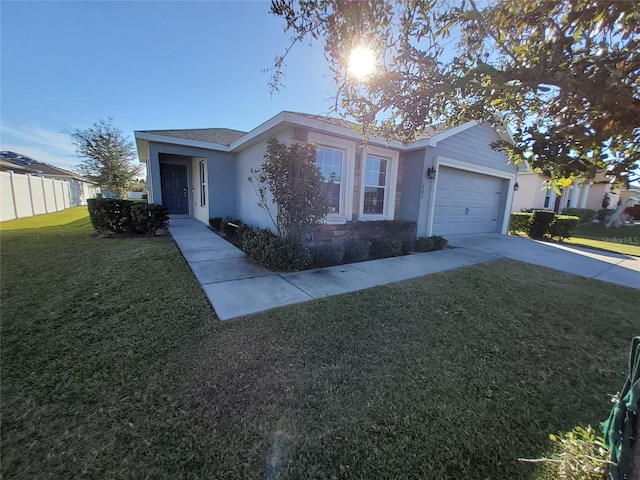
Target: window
{"type": "Point", "coordinates": [335, 158]}
{"type": "Point", "coordinates": [203, 190]}
{"type": "Point", "coordinates": [329, 162]}
{"type": "Point", "coordinates": [375, 185]}
{"type": "Point", "coordinates": [546, 199]}
{"type": "Point", "coordinates": [378, 178]}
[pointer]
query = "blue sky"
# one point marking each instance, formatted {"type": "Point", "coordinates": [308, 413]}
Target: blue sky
{"type": "Point", "coordinates": [147, 65]}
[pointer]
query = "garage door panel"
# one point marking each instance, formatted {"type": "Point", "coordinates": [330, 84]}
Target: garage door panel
{"type": "Point", "coordinates": [466, 202]}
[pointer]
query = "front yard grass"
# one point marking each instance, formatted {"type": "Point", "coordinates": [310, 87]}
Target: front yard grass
{"type": "Point", "coordinates": [114, 366]}
{"type": "Point", "coordinates": [625, 239]}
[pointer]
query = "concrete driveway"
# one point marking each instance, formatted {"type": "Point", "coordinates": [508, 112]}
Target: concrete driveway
{"type": "Point", "coordinates": [606, 266]}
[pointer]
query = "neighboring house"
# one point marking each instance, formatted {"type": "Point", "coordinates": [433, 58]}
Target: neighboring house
{"type": "Point", "coordinates": [630, 196]}
{"type": "Point", "coordinates": [532, 192]}
{"type": "Point", "coordinates": [449, 181]}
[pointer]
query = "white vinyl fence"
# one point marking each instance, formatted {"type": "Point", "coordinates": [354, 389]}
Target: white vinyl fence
{"type": "Point", "coordinates": [27, 195]}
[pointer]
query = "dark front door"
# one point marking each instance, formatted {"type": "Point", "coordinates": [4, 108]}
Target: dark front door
{"type": "Point", "coordinates": [173, 180]}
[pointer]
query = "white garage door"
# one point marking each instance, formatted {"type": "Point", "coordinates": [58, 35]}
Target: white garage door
{"type": "Point", "coordinates": [466, 202]}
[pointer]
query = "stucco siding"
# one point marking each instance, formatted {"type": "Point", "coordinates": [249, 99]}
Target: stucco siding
{"type": "Point", "coordinates": [247, 208]}
{"type": "Point", "coordinates": [472, 145]}
{"type": "Point", "coordinates": [411, 186]}
{"type": "Point", "coordinates": [221, 177]}
{"type": "Point", "coordinates": [531, 192]}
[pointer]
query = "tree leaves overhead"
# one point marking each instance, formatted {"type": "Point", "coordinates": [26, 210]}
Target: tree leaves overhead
{"type": "Point", "coordinates": [109, 156]}
{"type": "Point", "coordinates": [564, 74]}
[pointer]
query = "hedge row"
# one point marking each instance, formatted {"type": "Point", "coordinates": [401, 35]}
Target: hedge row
{"type": "Point", "coordinates": [109, 216]}
{"type": "Point", "coordinates": [541, 223]}
{"type": "Point", "coordinates": [271, 251]}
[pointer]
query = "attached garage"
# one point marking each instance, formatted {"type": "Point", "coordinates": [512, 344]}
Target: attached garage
{"type": "Point", "coordinates": [467, 198]}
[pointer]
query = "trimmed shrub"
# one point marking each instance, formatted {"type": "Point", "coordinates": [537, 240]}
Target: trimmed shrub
{"type": "Point", "coordinates": [328, 254]}
{"type": "Point", "coordinates": [356, 251]}
{"type": "Point", "coordinates": [273, 252]}
{"type": "Point", "coordinates": [603, 213]}
{"type": "Point", "coordinates": [231, 225]}
{"type": "Point", "coordinates": [540, 221]}
{"type": "Point", "coordinates": [148, 217]}
{"type": "Point", "coordinates": [242, 229]}
{"type": "Point", "coordinates": [110, 215]}
{"type": "Point", "coordinates": [215, 223]}
{"type": "Point", "coordinates": [519, 222]}
{"type": "Point", "coordinates": [563, 226]}
{"type": "Point", "coordinates": [430, 244]}
{"type": "Point", "coordinates": [407, 246]}
{"type": "Point", "coordinates": [385, 247]}
{"type": "Point", "coordinates": [585, 215]}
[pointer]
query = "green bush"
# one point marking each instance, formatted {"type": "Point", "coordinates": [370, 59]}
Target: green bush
{"type": "Point", "coordinates": [519, 222]}
{"type": "Point", "coordinates": [273, 252]}
{"type": "Point", "coordinates": [110, 215]}
{"type": "Point", "coordinates": [231, 225]}
{"type": "Point", "coordinates": [584, 214]}
{"type": "Point", "coordinates": [403, 229]}
{"type": "Point", "coordinates": [356, 251]}
{"type": "Point", "coordinates": [603, 213]}
{"type": "Point", "coordinates": [148, 217]}
{"type": "Point", "coordinates": [407, 246]}
{"type": "Point", "coordinates": [242, 229]}
{"type": "Point", "coordinates": [326, 255]}
{"type": "Point", "coordinates": [540, 221]}
{"type": "Point", "coordinates": [430, 244]}
{"type": "Point", "coordinates": [563, 226]}
{"type": "Point", "coordinates": [215, 223]}
{"type": "Point", "coordinates": [385, 247]}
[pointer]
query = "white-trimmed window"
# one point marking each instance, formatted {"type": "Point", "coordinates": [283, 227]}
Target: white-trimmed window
{"type": "Point", "coordinates": [335, 157]}
{"type": "Point", "coordinates": [203, 184]}
{"type": "Point", "coordinates": [329, 161]}
{"type": "Point", "coordinates": [379, 177]}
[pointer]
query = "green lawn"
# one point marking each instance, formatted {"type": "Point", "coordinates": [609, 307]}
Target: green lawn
{"type": "Point", "coordinates": [625, 239]}
{"type": "Point", "coordinates": [114, 366]}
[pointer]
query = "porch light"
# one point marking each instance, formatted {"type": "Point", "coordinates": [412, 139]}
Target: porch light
{"type": "Point", "coordinates": [516, 186]}
{"type": "Point", "coordinates": [431, 173]}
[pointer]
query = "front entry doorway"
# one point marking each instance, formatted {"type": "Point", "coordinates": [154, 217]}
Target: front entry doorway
{"type": "Point", "coordinates": [175, 191]}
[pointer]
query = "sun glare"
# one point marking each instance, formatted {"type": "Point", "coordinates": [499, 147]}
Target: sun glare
{"type": "Point", "coordinates": [362, 62]}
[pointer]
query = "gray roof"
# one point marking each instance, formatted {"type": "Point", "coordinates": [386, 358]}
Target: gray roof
{"type": "Point", "coordinates": [16, 161]}
{"type": "Point", "coordinates": [221, 136]}
{"type": "Point", "coordinates": [226, 136]}
{"type": "Point", "coordinates": [430, 131]}
{"type": "Point", "coordinates": [325, 118]}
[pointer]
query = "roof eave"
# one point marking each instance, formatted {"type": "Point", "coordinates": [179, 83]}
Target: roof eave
{"type": "Point", "coordinates": [293, 119]}
{"type": "Point", "coordinates": [153, 137]}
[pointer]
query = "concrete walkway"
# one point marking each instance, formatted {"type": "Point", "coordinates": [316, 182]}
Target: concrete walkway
{"type": "Point", "coordinates": [236, 286]}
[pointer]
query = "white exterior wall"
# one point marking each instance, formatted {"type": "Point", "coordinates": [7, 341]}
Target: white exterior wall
{"type": "Point", "coordinates": [246, 198]}
{"type": "Point", "coordinates": [631, 196]}
{"type": "Point", "coordinates": [597, 192]}
{"type": "Point", "coordinates": [531, 192]}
